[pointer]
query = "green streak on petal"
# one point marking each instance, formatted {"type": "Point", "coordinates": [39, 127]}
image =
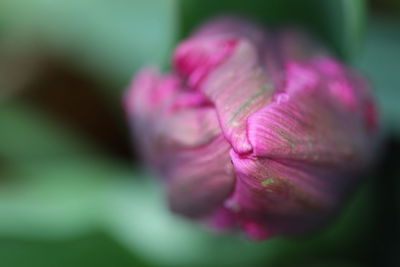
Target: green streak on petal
{"type": "Point", "coordinates": [268, 181]}
{"type": "Point", "coordinates": [247, 102]}
{"type": "Point", "coordinates": [287, 137]}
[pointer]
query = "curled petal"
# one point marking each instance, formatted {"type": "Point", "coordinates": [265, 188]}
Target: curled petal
{"type": "Point", "coordinates": [238, 87]}
{"type": "Point", "coordinates": [149, 95]}
{"type": "Point", "coordinates": [167, 119]}
{"type": "Point", "coordinates": [150, 91]}
{"type": "Point", "coordinates": [196, 57]}
{"type": "Point", "coordinates": [307, 124]}
{"type": "Point", "coordinates": [234, 64]}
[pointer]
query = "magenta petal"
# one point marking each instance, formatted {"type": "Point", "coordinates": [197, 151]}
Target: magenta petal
{"type": "Point", "coordinates": [180, 135]}
{"type": "Point", "coordinates": [189, 128]}
{"type": "Point", "coordinates": [137, 98]}
{"type": "Point", "coordinates": [227, 61]}
{"type": "Point", "coordinates": [150, 95]}
{"type": "Point", "coordinates": [196, 57]}
{"type": "Point", "coordinates": [200, 179]}
{"type": "Point", "coordinates": [255, 130]}
{"type": "Point", "coordinates": [308, 124]}
{"type": "Point", "coordinates": [238, 87]}
{"type": "Point", "coordinates": [275, 197]}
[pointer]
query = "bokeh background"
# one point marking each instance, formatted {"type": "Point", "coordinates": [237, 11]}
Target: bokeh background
{"type": "Point", "coordinates": [73, 191]}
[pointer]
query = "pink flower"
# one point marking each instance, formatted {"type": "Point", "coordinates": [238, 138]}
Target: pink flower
{"type": "Point", "coordinates": [254, 130]}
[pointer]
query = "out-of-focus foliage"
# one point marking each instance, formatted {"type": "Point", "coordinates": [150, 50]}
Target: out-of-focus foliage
{"type": "Point", "coordinates": [112, 39]}
{"type": "Point", "coordinates": [380, 60]}
{"type": "Point", "coordinates": [337, 22]}
{"type": "Point", "coordinates": [109, 39]}
{"type": "Point", "coordinates": [29, 135]}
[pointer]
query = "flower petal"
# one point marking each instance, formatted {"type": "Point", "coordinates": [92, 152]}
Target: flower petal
{"type": "Point", "coordinates": [188, 128]}
{"type": "Point", "coordinates": [200, 179]}
{"type": "Point", "coordinates": [283, 196]}
{"type": "Point", "coordinates": [167, 118]}
{"type": "Point", "coordinates": [238, 87]}
{"type": "Point", "coordinates": [307, 123]}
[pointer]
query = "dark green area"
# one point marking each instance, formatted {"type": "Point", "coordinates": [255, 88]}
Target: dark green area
{"type": "Point", "coordinates": [338, 23]}
{"type": "Point", "coordinates": [92, 250]}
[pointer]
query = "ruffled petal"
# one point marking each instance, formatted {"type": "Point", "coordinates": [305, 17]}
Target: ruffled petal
{"type": "Point", "coordinates": [234, 64]}
{"type": "Point", "coordinates": [310, 147]}
{"type": "Point", "coordinates": [196, 57]}
{"type": "Point", "coordinates": [150, 92]}
{"type": "Point", "coordinates": [238, 87]}
{"type": "Point", "coordinates": [309, 122]}
{"type": "Point", "coordinates": [167, 119]}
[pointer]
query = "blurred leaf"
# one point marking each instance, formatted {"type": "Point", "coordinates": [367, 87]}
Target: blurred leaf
{"type": "Point", "coordinates": [26, 134]}
{"type": "Point", "coordinates": [337, 22]}
{"type": "Point", "coordinates": [54, 197]}
{"type": "Point", "coordinates": [380, 60]}
{"type": "Point", "coordinates": [54, 208]}
{"type": "Point", "coordinates": [110, 39]}
{"type": "Point", "coordinates": [94, 249]}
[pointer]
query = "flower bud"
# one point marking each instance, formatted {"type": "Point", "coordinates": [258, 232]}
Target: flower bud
{"type": "Point", "coordinates": [255, 130]}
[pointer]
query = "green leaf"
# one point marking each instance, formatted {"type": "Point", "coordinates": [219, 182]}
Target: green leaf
{"type": "Point", "coordinates": [338, 23]}
{"type": "Point", "coordinates": [95, 249]}
{"type": "Point", "coordinates": [27, 134]}
{"type": "Point", "coordinates": [54, 197]}
{"type": "Point", "coordinates": [106, 38]}
{"type": "Point", "coordinates": [380, 61]}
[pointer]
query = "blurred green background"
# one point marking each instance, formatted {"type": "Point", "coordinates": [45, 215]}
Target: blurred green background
{"type": "Point", "coordinates": [72, 189]}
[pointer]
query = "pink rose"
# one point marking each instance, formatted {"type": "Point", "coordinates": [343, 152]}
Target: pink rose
{"type": "Point", "coordinates": [254, 130]}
